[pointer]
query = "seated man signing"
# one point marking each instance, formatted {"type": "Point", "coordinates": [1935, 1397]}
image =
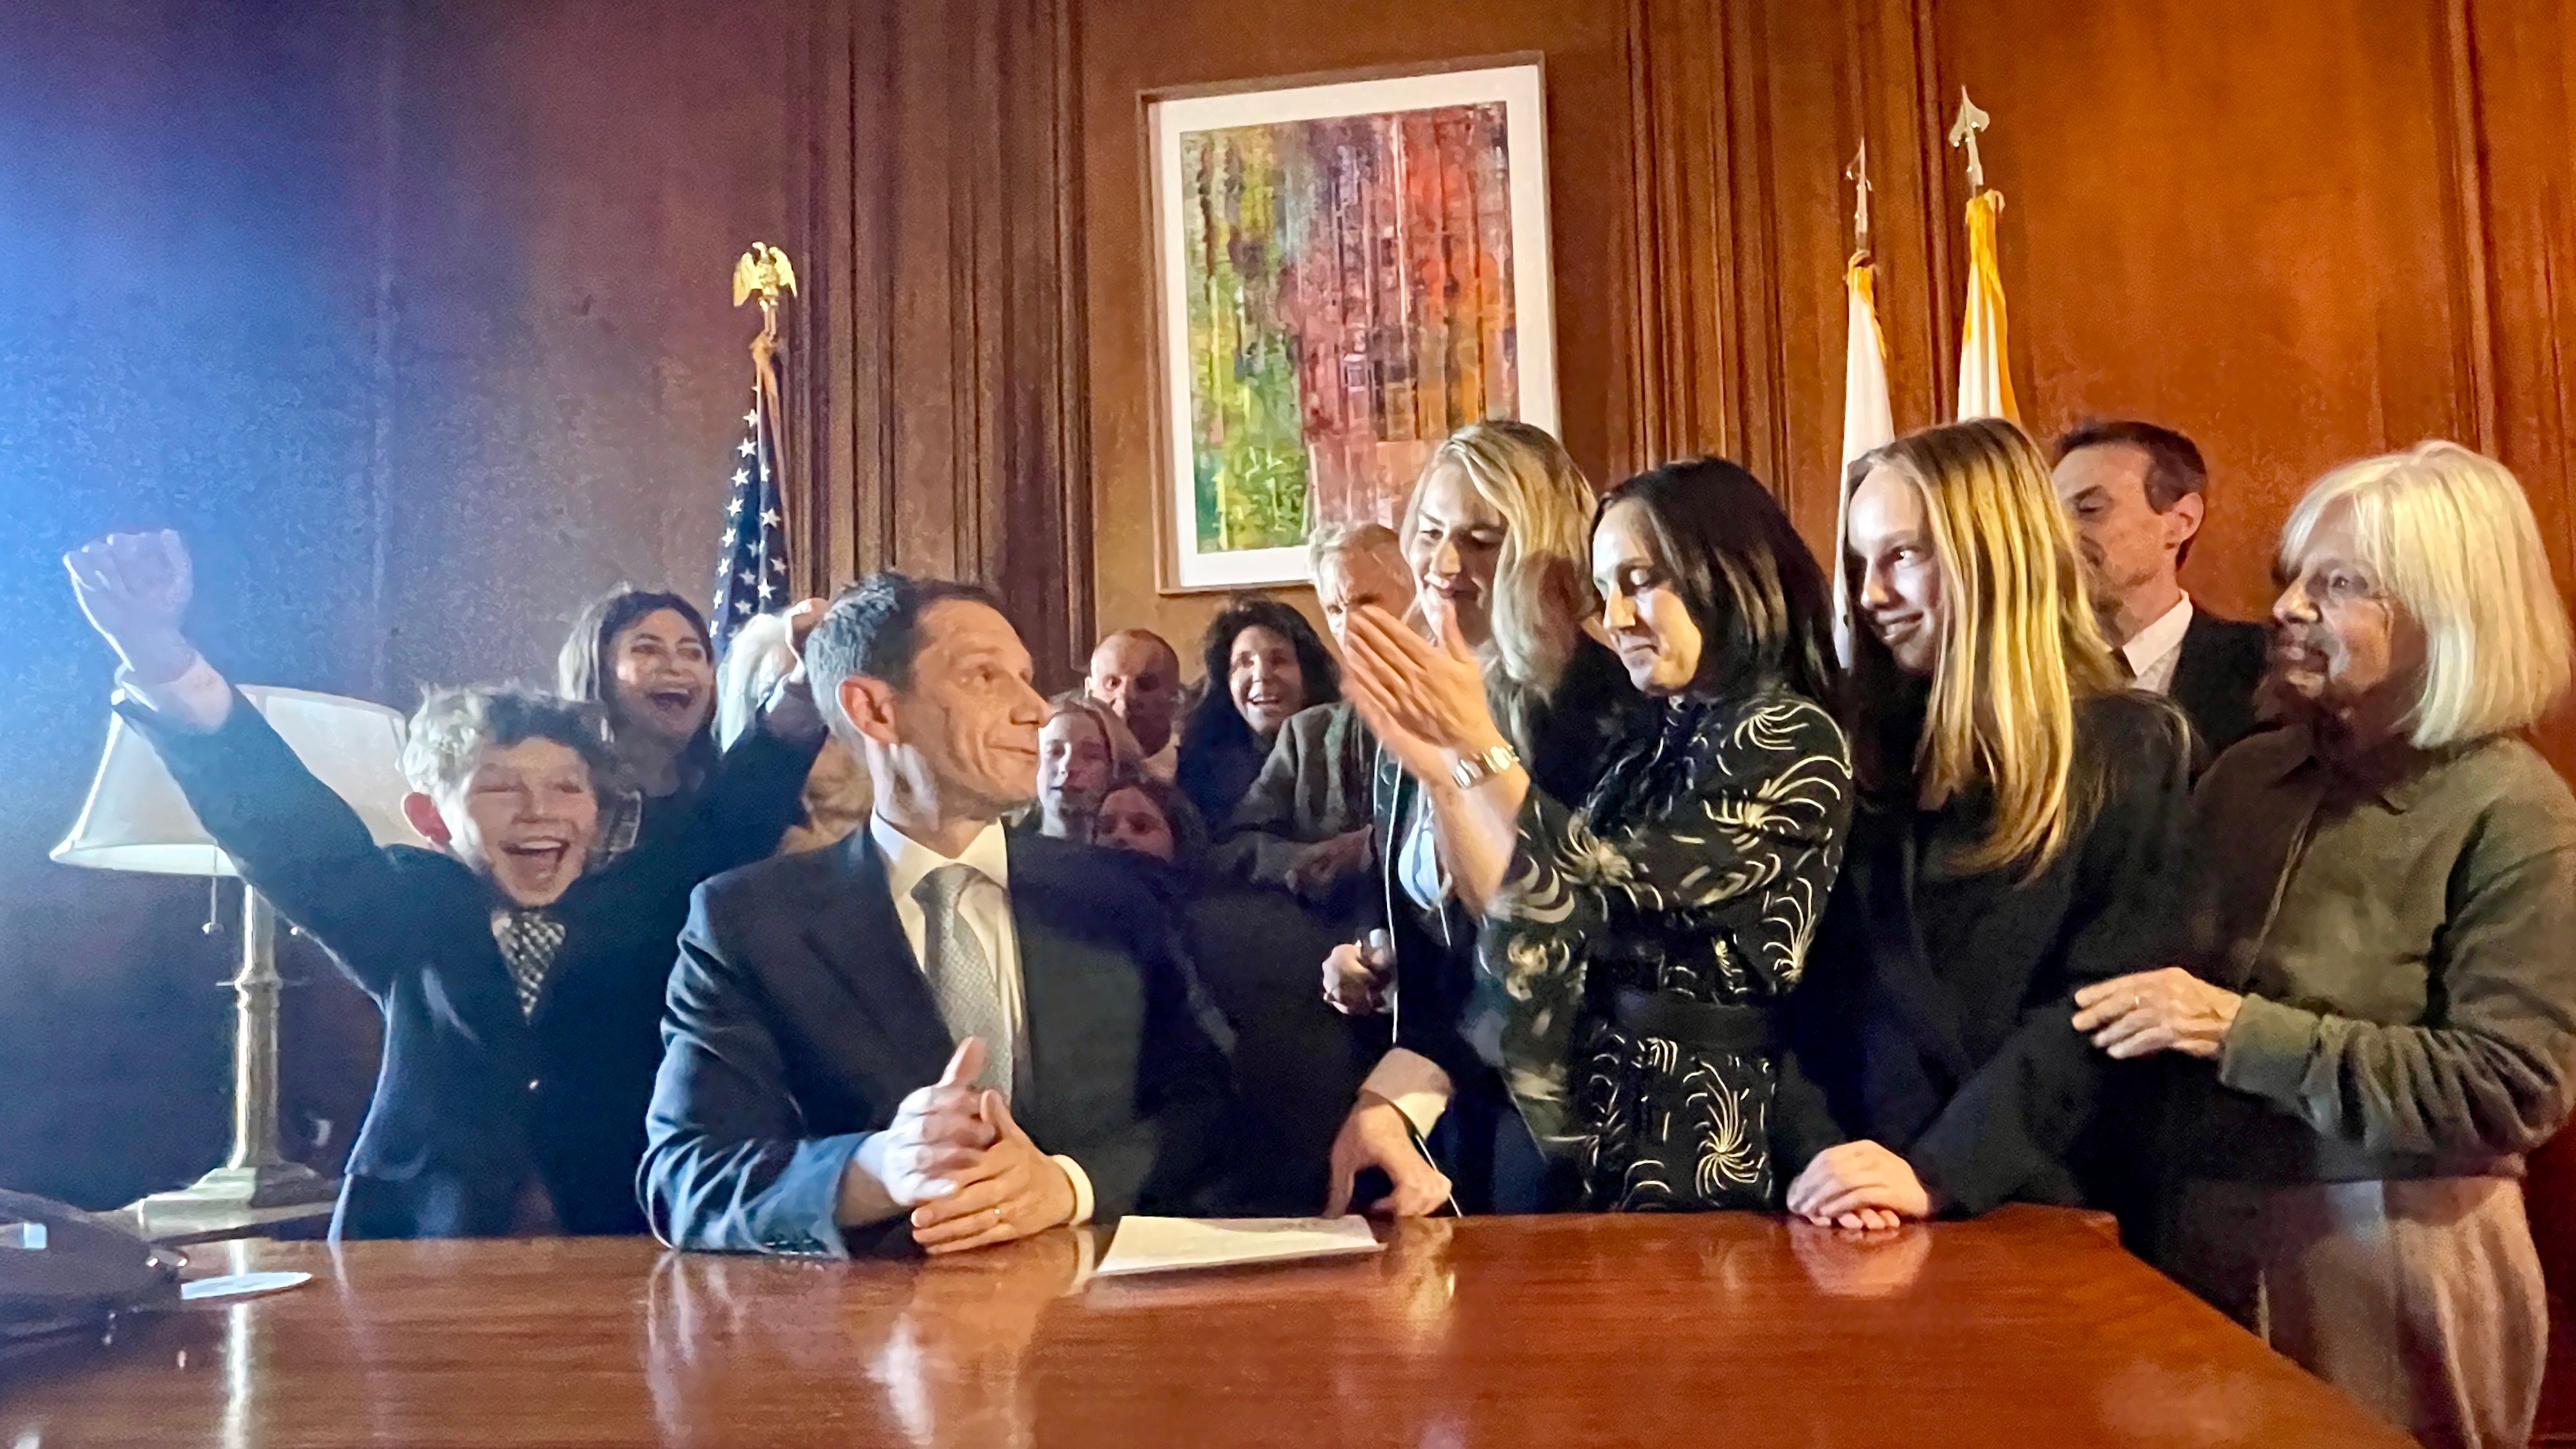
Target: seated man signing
{"type": "Point", "coordinates": [503, 1104]}
{"type": "Point", "coordinates": [987, 1033]}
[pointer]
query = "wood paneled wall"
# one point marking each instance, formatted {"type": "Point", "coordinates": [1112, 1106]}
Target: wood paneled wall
{"type": "Point", "coordinates": [940, 368]}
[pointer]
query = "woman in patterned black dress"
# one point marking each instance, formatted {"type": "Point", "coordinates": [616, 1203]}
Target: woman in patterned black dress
{"type": "Point", "coordinates": [1641, 936]}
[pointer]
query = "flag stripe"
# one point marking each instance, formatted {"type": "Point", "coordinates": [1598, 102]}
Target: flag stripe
{"type": "Point", "coordinates": [751, 555]}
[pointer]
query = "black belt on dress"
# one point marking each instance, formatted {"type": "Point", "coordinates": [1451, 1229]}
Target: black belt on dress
{"type": "Point", "coordinates": [1699, 1025]}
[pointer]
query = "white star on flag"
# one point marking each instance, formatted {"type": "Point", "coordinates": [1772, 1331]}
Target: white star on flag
{"type": "Point", "coordinates": [747, 448]}
{"type": "Point", "coordinates": [751, 419]}
{"type": "Point", "coordinates": [769, 518]}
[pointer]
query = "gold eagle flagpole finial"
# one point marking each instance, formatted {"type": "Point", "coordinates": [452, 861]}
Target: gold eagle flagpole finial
{"type": "Point", "coordinates": [763, 271]}
{"type": "Point", "coordinates": [1963, 132]}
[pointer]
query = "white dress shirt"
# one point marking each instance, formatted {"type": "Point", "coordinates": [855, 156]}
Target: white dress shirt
{"type": "Point", "coordinates": [2154, 650]}
{"type": "Point", "coordinates": [985, 907]}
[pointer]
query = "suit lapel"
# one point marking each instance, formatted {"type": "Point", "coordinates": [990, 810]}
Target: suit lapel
{"type": "Point", "coordinates": [1389, 793]}
{"type": "Point", "coordinates": [2190, 687]}
{"type": "Point", "coordinates": [1082, 1001]}
{"type": "Point", "coordinates": [854, 930]}
{"type": "Point", "coordinates": [1045, 966]}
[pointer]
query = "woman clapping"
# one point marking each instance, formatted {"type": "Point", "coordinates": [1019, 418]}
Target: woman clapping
{"type": "Point", "coordinates": [1641, 934]}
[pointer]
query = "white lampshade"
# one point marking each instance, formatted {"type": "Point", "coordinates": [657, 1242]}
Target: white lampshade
{"type": "Point", "coordinates": [136, 819]}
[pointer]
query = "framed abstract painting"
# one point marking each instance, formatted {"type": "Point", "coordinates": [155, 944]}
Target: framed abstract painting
{"type": "Point", "coordinates": [1347, 270]}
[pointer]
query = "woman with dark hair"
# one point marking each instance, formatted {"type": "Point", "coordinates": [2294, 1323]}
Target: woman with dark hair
{"type": "Point", "coordinates": [645, 658]}
{"type": "Point", "coordinates": [1296, 1062]}
{"type": "Point", "coordinates": [1272, 666]}
{"type": "Point", "coordinates": [1642, 936]}
{"type": "Point", "coordinates": [684, 812]}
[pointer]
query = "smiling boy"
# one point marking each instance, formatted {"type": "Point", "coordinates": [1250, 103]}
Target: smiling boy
{"type": "Point", "coordinates": [492, 1109]}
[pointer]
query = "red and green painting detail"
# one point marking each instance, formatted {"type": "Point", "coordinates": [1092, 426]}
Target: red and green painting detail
{"type": "Point", "coordinates": [1349, 288]}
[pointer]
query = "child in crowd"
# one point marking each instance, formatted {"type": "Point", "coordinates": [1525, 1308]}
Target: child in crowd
{"type": "Point", "coordinates": [504, 1104]}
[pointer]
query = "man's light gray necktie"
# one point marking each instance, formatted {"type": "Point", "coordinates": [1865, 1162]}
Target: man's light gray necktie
{"type": "Point", "coordinates": [962, 977]}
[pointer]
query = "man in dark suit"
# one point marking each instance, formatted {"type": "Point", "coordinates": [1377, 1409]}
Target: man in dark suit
{"type": "Point", "coordinates": [933, 1025]}
{"type": "Point", "coordinates": [2137, 494]}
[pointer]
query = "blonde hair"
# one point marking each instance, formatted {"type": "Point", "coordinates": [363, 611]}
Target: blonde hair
{"type": "Point", "coordinates": [2019, 647]}
{"type": "Point", "coordinates": [1543, 577]}
{"type": "Point", "coordinates": [2449, 535]}
{"type": "Point", "coordinates": [1126, 757]}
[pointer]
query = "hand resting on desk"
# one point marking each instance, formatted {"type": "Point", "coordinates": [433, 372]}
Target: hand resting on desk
{"type": "Point", "coordinates": [955, 1159]}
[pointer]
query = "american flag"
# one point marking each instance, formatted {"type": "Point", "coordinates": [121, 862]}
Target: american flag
{"type": "Point", "coordinates": [751, 557]}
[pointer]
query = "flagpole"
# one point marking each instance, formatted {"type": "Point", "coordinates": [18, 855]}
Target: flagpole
{"type": "Point", "coordinates": [754, 552]}
{"type": "Point", "coordinates": [1985, 362]}
{"type": "Point", "coordinates": [763, 273]}
{"type": "Point", "coordinates": [1869, 419]}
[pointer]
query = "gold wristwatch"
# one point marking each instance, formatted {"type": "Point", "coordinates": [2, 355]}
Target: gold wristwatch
{"type": "Point", "coordinates": [1470, 771]}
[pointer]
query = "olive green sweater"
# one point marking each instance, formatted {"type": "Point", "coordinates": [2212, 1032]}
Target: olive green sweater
{"type": "Point", "coordinates": [2409, 956]}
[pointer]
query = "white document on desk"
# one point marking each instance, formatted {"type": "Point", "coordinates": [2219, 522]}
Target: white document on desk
{"type": "Point", "coordinates": [1163, 1245]}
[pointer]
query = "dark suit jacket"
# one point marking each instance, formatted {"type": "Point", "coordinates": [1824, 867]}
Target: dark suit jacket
{"type": "Point", "coordinates": [799, 1020]}
{"type": "Point", "coordinates": [473, 1094]}
{"type": "Point", "coordinates": [1935, 1012]}
{"type": "Point", "coordinates": [2214, 679]}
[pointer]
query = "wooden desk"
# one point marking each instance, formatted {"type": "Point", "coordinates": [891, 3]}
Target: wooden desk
{"type": "Point", "coordinates": [2030, 1327]}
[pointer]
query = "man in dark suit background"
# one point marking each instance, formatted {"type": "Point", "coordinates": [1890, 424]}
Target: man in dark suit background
{"type": "Point", "coordinates": [933, 1024]}
{"type": "Point", "coordinates": [2137, 494]}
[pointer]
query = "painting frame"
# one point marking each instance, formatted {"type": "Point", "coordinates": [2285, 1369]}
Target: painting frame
{"type": "Point", "coordinates": [1515, 83]}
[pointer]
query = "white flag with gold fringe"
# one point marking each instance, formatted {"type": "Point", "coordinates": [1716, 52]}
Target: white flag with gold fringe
{"type": "Point", "coordinates": [1985, 366]}
{"type": "Point", "coordinates": [1985, 361]}
{"type": "Point", "coordinates": [1869, 419]}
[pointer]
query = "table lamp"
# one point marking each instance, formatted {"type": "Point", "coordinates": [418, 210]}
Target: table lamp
{"type": "Point", "coordinates": [136, 819]}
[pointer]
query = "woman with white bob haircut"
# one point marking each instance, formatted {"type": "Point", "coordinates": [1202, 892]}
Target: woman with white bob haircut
{"type": "Point", "coordinates": [2380, 961]}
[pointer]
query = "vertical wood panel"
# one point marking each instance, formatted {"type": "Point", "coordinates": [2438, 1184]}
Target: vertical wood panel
{"type": "Point", "coordinates": [2521, 60]}
{"type": "Point", "coordinates": [944, 431]}
{"type": "Point", "coordinates": [2241, 222]}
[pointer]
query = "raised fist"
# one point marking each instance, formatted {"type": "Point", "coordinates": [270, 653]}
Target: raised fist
{"type": "Point", "coordinates": [135, 587]}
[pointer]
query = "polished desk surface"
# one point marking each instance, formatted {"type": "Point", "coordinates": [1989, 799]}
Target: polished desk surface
{"type": "Point", "coordinates": [2027, 1327]}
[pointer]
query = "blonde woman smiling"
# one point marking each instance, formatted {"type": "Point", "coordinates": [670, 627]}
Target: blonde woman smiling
{"type": "Point", "coordinates": [1498, 535]}
{"type": "Point", "coordinates": [2020, 811]}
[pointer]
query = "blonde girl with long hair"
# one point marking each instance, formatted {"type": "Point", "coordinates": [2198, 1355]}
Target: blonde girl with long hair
{"type": "Point", "coordinates": [2020, 810]}
{"type": "Point", "coordinates": [1498, 535]}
